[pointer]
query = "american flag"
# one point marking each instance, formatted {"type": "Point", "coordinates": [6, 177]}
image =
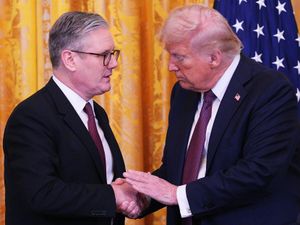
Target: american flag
{"type": "Point", "coordinates": [268, 31]}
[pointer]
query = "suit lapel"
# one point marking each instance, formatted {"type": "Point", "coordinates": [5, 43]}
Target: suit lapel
{"type": "Point", "coordinates": [74, 122]}
{"type": "Point", "coordinates": [233, 98]}
{"type": "Point", "coordinates": [118, 164]}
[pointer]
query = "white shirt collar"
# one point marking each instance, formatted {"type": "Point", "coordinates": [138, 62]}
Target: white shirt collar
{"type": "Point", "coordinates": [222, 84]}
{"type": "Point", "coordinates": [76, 101]}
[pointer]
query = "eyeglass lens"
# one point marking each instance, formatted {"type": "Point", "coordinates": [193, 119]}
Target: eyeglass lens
{"type": "Point", "coordinates": [107, 57]}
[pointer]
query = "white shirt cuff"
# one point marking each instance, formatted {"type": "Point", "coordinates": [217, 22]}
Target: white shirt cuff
{"type": "Point", "coordinates": [183, 203]}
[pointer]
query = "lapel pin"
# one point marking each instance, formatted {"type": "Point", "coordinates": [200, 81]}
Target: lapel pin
{"type": "Point", "coordinates": [237, 97]}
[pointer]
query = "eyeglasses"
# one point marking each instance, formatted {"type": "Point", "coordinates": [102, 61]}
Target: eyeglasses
{"type": "Point", "coordinates": [106, 55]}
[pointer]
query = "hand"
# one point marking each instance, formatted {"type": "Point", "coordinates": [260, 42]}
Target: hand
{"type": "Point", "coordinates": [152, 186]}
{"type": "Point", "coordinates": [128, 201]}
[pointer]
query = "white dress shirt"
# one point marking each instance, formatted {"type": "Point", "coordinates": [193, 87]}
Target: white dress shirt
{"type": "Point", "coordinates": [78, 104]}
{"type": "Point", "coordinates": [219, 91]}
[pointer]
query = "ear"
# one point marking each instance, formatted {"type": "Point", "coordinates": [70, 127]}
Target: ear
{"type": "Point", "coordinates": [215, 58]}
{"type": "Point", "coordinates": [67, 58]}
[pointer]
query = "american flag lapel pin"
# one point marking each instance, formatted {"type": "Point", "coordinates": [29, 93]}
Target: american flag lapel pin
{"type": "Point", "coordinates": [237, 97]}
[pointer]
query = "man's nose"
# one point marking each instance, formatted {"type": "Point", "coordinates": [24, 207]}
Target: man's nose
{"type": "Point", "coordinates": [172, 66]}
{"type": "Point", "coordinates": [113, 63]}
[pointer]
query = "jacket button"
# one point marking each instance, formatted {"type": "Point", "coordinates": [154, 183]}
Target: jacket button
{"type": "Point", "coordinates": [98, 213]}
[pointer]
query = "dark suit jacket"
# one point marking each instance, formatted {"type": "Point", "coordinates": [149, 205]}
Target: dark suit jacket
{"type": "Point", "coordinates": [53, 173]}
{"type": "Point", "coordinates": [249, 177]}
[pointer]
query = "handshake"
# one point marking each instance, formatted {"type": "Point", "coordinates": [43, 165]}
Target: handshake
{"type": "Point", "coordinates": [133, 193]}
{"type": "Point", "coordinates": [129, 201]}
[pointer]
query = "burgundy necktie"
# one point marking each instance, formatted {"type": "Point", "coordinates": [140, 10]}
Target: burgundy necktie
{"type": "Point", "coordinates": [94, 132]}
{"type": "Point", "coordinates": [195, 149]}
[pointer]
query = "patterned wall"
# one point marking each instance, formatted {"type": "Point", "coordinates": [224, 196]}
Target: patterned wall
{"type": "Point", "coordinates": [138, 103]}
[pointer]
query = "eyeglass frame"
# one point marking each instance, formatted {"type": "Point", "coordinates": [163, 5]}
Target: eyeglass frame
{"type": "Point", "coordinates": [106, 55]}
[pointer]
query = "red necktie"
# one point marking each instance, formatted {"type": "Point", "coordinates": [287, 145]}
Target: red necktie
{"type": "Point", "coordinates": [195, 149]}
{"type": "Point", "coordinates": [94, 132]}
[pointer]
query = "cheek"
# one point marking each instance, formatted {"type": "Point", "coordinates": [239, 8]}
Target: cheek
{"type": "Point", "coordinates": [96, 74]}
{"type": "Point", "coordinates": [191, 74]}
{"type": "Point", "coordinates": [100, 71]}
{"type": "Point", "coordinates": [202, 70]}
{"type": "Point", "coordinates": [186, 70]}
{"type": "Point", "coordinates": [196, 76]}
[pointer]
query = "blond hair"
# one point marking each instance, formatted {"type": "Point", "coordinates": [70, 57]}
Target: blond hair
{"type": "Point", "coordinates": [202, 27]}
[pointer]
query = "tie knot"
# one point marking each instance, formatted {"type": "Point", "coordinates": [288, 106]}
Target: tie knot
{"type": "Point", "coordinates": [209, 97]}
{"type": "Point", "coordinates": [88, 110]}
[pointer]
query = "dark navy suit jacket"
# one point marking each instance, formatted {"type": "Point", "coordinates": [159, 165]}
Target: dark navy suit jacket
{"type": "Point", "coordinates": [251, 174]}
{"type": "Point", "coordinates": [53, 173]}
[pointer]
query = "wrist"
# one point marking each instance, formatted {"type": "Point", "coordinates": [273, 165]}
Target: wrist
{"type": "Point", "coordinates": [174, 195]}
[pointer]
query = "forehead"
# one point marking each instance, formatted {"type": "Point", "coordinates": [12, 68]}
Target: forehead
{"type": "Point", "coordinates": [182, 47]}
{"type": "Point", "coordinates": [98, 40]}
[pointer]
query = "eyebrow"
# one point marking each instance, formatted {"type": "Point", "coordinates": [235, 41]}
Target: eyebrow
{"type": "Point", "coordinates": [107, 51]}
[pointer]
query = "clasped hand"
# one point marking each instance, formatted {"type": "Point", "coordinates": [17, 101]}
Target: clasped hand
{"type": "Point", "coordinates": [134, 192]}
{"type": "Point", "coordinates": [129, 202]}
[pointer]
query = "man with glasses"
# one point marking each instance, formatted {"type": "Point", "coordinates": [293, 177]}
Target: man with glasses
{"type": "Point", "coordinates": [61, 157]}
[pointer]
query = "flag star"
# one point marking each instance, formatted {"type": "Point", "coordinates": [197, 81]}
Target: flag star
{"type": "Point", "coordinates": [280, 7]}
{"type": "Point", "coordinates": [298, 39]}
{"type": "Point", "coordinates": [298, 95]}
{"type": "Point", "coordinates": [259, 30]}
{"type": "Point", "coordinates": [257, 57]}
{"type": "Point", "coordinates": [278, 62]}
{"type": "Point", "coordinates": [279, 35]}
{"type": "Point", "coordinates": [261, 3]}
{"type": "Point", "coordinates": [240, 1]}
{"type": "Point", "coordinates": [238, 25]}
{"type": "Point", "coordinates": [298, 67]}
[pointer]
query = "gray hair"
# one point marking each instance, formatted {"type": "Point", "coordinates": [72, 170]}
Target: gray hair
{"type": "Point", "coordinates": [204, 28]}
{"type": "Point", "coordinates": [68, 31]}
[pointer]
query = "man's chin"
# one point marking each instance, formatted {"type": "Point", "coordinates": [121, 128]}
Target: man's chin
{"type": "Point", "coordinates": [184, 85]}
{"type": "Point", "coordinates": [105, 89]}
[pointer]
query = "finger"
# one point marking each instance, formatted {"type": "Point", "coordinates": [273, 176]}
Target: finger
{"type": "Point", "coordinates": [140, 180]}
{"type": "Point", "coordinates": [133, 210]}
{"type": "Point", "coordinates": [136, 175]}
{"type": "Point", "coordinates": [150, 181]}
{"type": "Point", "coordinates": [132, 176]}
{"type": "Point", "coordinates": [131, 205]}
{"type": "Point", "coordinates": [135, 180]}
{"type": "Point", "coordinates": [135, 213]}
{"type": "Point", "coordinates": [119, 181]}
{"type": "Point", "coordinates": [131, 182]}
{"type": "Point", "coordinates": [123, 206]}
